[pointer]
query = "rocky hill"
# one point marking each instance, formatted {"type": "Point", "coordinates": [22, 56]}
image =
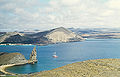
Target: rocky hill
{"type": "Point", "coordinates": [11, 58]}
{"type": "Point", "coordinates": [47, 37]}
{"type": "Point", "coordinates": [62, 35]}
{"type": "Point", "coordinates": [8, 35]}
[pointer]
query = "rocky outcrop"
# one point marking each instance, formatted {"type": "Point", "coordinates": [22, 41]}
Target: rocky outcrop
{"type": "Point", "coordinates": [12, 58]}
{"type": "Point", "coordinates": [33, 55]}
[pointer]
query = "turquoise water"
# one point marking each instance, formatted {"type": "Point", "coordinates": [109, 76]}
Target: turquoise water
{"type": "Point", "coordinates": [68, 53]}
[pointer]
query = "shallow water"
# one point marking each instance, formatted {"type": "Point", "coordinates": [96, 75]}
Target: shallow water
{"type": "Point", "coordinates": [68, 53]}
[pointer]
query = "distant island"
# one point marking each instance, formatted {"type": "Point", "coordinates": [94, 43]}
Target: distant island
{"type": "Point", "coordinates": [53, 36]}
{"type": "Point", "coordinates": [57, 35]}
{"type": "Point", "coordinates": [98, 33]}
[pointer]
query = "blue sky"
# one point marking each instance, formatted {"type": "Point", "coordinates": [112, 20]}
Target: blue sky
{"type": "Point", "coordinates": [46, 14]}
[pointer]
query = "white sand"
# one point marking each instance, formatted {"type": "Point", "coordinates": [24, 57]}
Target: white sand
{"type": "Point", "coordinates": [2, 68]}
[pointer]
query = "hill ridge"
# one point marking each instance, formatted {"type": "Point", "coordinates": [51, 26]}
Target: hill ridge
{"type": "Point", "coordinates": [56, 35]}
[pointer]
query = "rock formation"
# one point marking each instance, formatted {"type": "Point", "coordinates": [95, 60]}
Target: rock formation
{"type": "Point", "coordinates": [12, 58]}
{"type": "Point", "coordinates": [33, 56]}
{"type": "Point", "coordinates": [17, 58]}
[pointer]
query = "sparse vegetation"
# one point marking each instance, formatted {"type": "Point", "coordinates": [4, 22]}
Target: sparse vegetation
{"type": "Point", "coordinates": [90, 68]}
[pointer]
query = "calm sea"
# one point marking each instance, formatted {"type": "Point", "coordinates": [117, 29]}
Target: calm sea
{"type": "Point", "coordinates": [68, 53]}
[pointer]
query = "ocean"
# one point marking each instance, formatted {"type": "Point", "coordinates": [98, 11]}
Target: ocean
{"type": "Point", "coordinates": [67, 53]}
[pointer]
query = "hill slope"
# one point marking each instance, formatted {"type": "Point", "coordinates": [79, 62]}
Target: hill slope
{"type": "Point", "coordinates": [90, 68]}
{"type": "Point", "coordinates": [11, 58]}
{"type": "Point", "coordinates": [7, 35]}
{"type": "Point", "coordinates": [47, 37]}
{"type": "Point", "coordinates": [62, 35]}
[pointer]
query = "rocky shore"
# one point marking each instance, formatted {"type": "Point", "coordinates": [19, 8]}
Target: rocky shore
{"type": "Point", "coordinates": [13, 59]}
{"type": "Point", "coordinates": [3, 67]}
{"type": "Point", "coordinates": [90, 68]}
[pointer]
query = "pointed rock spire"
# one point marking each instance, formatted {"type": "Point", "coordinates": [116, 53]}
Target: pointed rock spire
{"type": "Point", "coordinates": [33, 55]}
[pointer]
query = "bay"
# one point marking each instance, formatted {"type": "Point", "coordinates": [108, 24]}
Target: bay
{"type": "Point", "coordinates": [67, 53]}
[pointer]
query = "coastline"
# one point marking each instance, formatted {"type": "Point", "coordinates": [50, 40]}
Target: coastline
{"type": "Point", "coordinates": [89, 68]}
{"type": "Point", "coordinates": [3, 67]}
{"type": "Point", "coordinates": [14, 65]}
{"type": "Point", "coordinates": [41, 44]}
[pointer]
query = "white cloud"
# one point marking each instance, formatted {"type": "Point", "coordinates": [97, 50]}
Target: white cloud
{"type": "Point", "coordinates": [114, 4]}
{"type": "Point", "coordinates": [67, 13]}
{"type": "Point", "coordinates": [70, 2]}
{"type": "Point", "coordinates": [108, 13]}
{"type": "Point", "coordinates": [52, 17]}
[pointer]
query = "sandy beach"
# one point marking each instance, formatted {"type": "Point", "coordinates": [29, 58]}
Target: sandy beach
{"type": "Point", "coordinates": [3, 67]}
{"type": "Point", "coordinates": [89, 68]}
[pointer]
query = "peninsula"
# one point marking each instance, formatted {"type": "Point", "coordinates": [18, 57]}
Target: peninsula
{"type": "Point", "coordinates": [13, 59]}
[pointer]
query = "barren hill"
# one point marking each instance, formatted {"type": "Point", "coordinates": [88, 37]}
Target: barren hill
{"type": "Point", "coordinates": [46, 37]}
{"type": "Point", "coordinates": [11, 58]}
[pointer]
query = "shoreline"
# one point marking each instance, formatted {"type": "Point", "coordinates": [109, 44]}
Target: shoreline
{"type": "Point", "coordinates": [10, 65]}
{"type": "Point", "coordinates": [97, 62]}
{"type": "Point", "coordinates": [23, 44]}
{"type": "Point", "coordinates": [9, 44]}
{"type": "Point", "coordinates": [107, 67]}
{"type": "Point", "coordinates": [3, 67]}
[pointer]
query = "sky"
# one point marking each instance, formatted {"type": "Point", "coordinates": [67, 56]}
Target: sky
{"type": "Point", "coordinates": [47, 14]}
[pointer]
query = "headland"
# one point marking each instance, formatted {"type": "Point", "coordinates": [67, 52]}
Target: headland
{"type": "Point", "coordinates": [14, 59]}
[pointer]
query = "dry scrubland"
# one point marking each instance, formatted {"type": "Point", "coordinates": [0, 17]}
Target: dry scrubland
{"type": "Point", "coordinates": [90, 68]}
